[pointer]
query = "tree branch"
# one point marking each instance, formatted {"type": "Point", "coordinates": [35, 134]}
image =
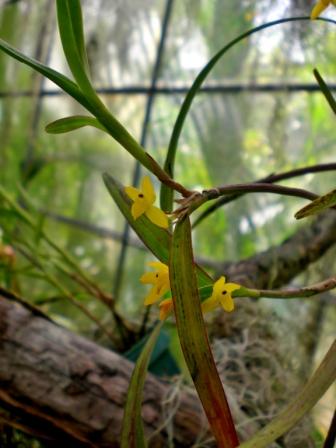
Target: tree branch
{"type": "Point", "coordinates": [278, 265]}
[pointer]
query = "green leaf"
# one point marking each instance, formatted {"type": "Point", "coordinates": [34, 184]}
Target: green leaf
{"type": "Point", "coordinates": [318, 205]}
{"type": "Point", "coordinates": [71, 31]}
{"type": "Point", "coordinates": [166, 194]}
{"type": "Point", "coordinates": [132, 433]}
{"type": "Point", "coordinates": [78, 31]}
{"type": "Point", "coordinates": [62, 81]}
{"type": "Point", "coordinates": [69, 18]}
{"type": "Point", "coordinates": [325, 90]}
{"type": "Point", "coordinates": [314, 389]}
{"type": "Point", "coordinates": [69, 124]}
{"type": "Point", "coordinates": [194, 339]}
{"type": "Point", "coordinates": [161, 362]}
{"type": "Point", "coordinates": [70, 25]}
{"type": "Point", "coordinates": [157, 240]}
{"type": "Point", "coordinates": [92, 104]}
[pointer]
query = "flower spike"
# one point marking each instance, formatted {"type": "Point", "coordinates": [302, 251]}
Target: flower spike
{"type": "Point", "coordinates": [143, 200]}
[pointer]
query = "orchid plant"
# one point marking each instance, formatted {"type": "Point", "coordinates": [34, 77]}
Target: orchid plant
{"type": "Point", "coordinates": [184, 289]}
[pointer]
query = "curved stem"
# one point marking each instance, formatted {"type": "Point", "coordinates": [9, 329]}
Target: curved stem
{"type": "Point", "coordinates": [272, 178]}
{"type": "Point", "coordinates": [193, 202]}
{"type": "Point", "coordinates": [294, 293]}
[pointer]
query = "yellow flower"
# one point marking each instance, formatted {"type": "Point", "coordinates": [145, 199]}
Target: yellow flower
{"type": "Point", "coordinates": [221, 295]}
{"type": "Point", "coordinates": [320, 6]}
{"type": "Point", "coordinates": [143, 200]}
{"type": "Point", "coordinates": [160, 281]}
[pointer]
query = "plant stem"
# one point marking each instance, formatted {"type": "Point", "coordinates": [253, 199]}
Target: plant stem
{"type": "Point", "coordinates": [272, 178]}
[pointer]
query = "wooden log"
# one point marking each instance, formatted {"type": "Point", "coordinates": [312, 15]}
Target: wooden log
{"type": "Point", "coordinates": [69, 390]}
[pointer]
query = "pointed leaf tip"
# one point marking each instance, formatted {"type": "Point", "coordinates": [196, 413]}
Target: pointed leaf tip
{"type": "Point", "coordinates": [72, 123]}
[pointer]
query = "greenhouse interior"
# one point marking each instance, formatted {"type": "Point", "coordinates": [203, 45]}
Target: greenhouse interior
{"type": "Point", "coordinates": [167, 223]}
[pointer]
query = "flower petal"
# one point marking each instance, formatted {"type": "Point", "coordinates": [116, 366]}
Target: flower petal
{"type": "Point", "coordinates": [165, 308]}
{"type": "Point", "coordinates": [318, 9]}
{"type": "Point", "coordinates": [218, 286]}
{"type": "Point", "coordinates": [132, 192]}
{"type": "Point", "coordinates": [139, 207]}
{"type": "Point", "coordinates": [163, 286]}
{"type": "Point", "coordinates": [230, 287]}
{"type": "Point", "coordinates": [161, 267]}
{"type": "Point", "coordinates": [209, 304]}
{"type": "Point", "coordinates": [148, 189]}
{"type": "Point", "coordinates": [157, 216]}
{"type": "Point", "coordinates": [152, 296]}
{"type": "Point", "coordinates": [149, 278]}
{"type": "Point", "coordinates": [227, 303]}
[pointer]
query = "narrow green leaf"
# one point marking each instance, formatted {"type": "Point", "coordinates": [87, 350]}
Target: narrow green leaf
{"type": "Point", "coordinates": [62, 81]}
{"type": "Point", "coordinates": [132, 433]}
{"type": "Point", "coordinates": [161, 363]}
{"type": "Point", "coordinates": [318, 205]}
{"type": "Point", "coordinates": [92, 104]}
{"type": "Point", "coordinates": [70, 25]}
{"type": "Point", "coordinates": [325, 90]}
{"type": "Point", "coordinates": [69, 124]}
{"type": "Point", "coordinates": [314, 389]}
{"type": "Point", "coordinates": [78, 31]}
{"type": "Point", "coordinates": [193, 337]}
{"type": "Point", "coordinates": [68, 22]}
{"type": "Point", "coordinates": [166, 194]}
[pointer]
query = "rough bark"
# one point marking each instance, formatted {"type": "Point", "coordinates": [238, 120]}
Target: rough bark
{"type": "Point", "coordinates": [70, 390]}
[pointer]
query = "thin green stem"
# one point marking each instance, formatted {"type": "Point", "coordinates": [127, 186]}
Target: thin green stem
{"type": "Point", "coordinates": [82, 278]}
{"type": "Point", "coordinates": [307, 291]}
{"type": "Point", "coordinates": [65, 292]}
{"type": "Point", "coordinates": [166, 196]}
{"type": "Point", "coordinates": [292, 293]}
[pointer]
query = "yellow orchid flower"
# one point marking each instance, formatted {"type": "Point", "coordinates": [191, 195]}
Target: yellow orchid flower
{"type": "Point", "coordinates": [159, 279]}
{"type": "Point", "coordinates": [143, 200]}
{"type": "Point", "coordinates": [320, 6]}
{"type": "Point", "coordinates": [221, 295]}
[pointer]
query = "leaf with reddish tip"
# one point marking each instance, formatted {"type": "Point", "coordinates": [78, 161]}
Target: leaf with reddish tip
{"type": "Point", "coordinates": [132, 433]}
{"type": "Point", "coordinates": [194, 339]}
